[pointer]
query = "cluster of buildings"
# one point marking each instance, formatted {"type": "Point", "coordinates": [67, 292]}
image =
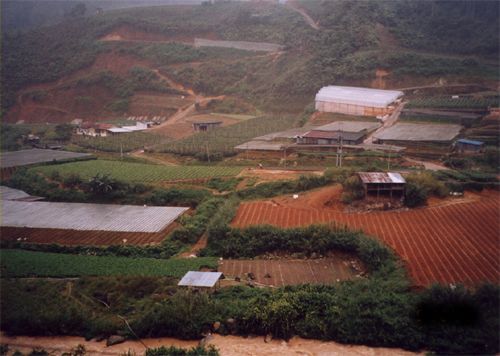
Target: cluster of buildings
{"type": "Point", "coordinates": [104, 130]}
{"type": "Point", "coordinates": [364, 102]}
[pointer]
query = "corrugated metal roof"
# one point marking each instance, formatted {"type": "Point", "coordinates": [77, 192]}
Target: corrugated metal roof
{"type": "Point", "coordinates": [119, 130]}
{"type": "Point", "coordinates": [12, 194]}
{"type": "Point", "coordinates": [200, 279]}
{"type": "Point", "coordinates": [419, 132]}
{"type": "Point", "coordinates": [381, 177]}
{"type": "Point", "coordinates": [333, 135]}
{"type": "Point", "coordinates": [358, 96]}
{"type": "Point", "coordinates": [26, 157]}
{"type": "Point", "coordinates": [287, 134]}
{"type": "Point", "coordinates": [470, 142]}
{"type": "Point", "coordinates": [78, 216]}
{"type": "Point", "coordinates": [349, 126]}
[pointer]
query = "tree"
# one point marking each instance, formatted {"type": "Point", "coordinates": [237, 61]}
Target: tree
{"type": "Point", "coordinates": [64, 132]}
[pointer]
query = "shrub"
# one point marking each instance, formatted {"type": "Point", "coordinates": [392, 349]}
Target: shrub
{"type": "Point", "coordinates": [420, 185]}
{"type": "Point", "coordinates": [353, 189]}
{"type": "Point", "coordinates": [176, 351]}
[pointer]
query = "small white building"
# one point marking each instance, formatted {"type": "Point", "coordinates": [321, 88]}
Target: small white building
{"type": "Point", "coordinates": [357, 101]}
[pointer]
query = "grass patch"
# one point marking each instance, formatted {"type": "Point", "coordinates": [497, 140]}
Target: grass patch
{"type": "Point", "coordinates": [19, 263]}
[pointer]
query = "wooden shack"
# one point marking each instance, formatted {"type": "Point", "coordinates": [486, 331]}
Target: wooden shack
{"type": "Point", "coordinates": [382, 183]}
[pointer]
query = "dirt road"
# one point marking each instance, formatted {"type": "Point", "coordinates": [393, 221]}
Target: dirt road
{"type": "Point", "coordinates": [390, 121]}
{"type": "Point", "coordinates": [295, 7]}
{"type": "Point", "coordinates": [227, 345]}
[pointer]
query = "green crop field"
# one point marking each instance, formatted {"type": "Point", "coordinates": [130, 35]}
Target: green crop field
{"type": "Point", "coordinates": [447, 102]}
{"type": "Point", "coordinates": [126, 142]}
{"type": "Point", "coordinates": [221, 141]}
{"type": "Point", "coordinates": [138, 172]}
{"type": "Point", "coordinates": [20, 263]}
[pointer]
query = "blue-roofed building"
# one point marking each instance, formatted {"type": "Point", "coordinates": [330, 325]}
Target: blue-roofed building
{"type": "Point", "coordinates": [469, 146]}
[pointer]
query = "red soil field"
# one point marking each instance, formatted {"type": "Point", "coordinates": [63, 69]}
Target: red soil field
{"type": "Point", "coordinates": [77, 237]}
{"type": "Point", "coordinates": [290, 272]}
{"type": "Point", "coordinates": [445, 243]}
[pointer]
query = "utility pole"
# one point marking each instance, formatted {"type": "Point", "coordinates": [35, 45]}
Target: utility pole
{"type": "Point", "coordinates": [208, 154]}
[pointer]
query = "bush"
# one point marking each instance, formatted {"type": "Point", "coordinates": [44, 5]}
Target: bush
{"type": "Point", "coordinates": [415, 195]}
{"type": "Point", "coordinates": [420, 185]}
{"type": "Point", "coordinates": [353, 189]}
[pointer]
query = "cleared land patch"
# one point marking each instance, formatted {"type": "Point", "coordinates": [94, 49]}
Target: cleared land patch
{"type": "Point", "coordinates": [138, 172]}
{"type": "Point", "coordinates": [456, 243]}
{"type": "Point", "coordinates": [19, 263]}
{"type": "Point", "coordinates": [284, 272]}
{"type": "Point", "coordinates": [82, 237]}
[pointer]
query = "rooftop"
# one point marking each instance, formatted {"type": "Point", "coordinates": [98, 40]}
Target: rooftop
{"type": "Point", "coordinates": [349, 126]}
{"type": "Point", "coordinates": [419, 132]}
{"type": "Point", "coordinates": [32, 156]}
{"type": "Point", "coordinates": [7, 193]}
{"type": "Point", "coordinates": [333, 135]}
{"type": "Point", "coordinates": [287, 134]}
{"type": "Point", "coordinates": [78, 216]}
{"type": "Point", "coordinates": [200, 279]}
{"type": "Point", "coordinates": [381, 177]}
{"type": "Point", "coordinates": [470, 142]}
{"type": "Point", "coordinates": [358, 96]}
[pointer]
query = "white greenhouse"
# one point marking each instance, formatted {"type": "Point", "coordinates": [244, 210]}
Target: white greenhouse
{"type": "Point", "coordinates": [357, 101]}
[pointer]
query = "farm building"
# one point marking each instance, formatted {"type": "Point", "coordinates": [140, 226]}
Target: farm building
{"type": "Point", "coordinates": [206, 125]}
{"type": "Point", "coordinates": [205, 280]}
{"type": "Point", "coordinates": [414, 135]}
{"type": "Point", "coordinates": [469, 146]}
{"type": "Point", "coordinates": [317, 137]}
{"type": "Point", "coordinates": [345, 132]}
{"type": "Point", "coordinates": [94, 130]}
{"type": "Point", "coordinates": [357, 101]}
{"type": "Point", "coordinates": [379, 183]}
{"type": "Point", "coordinates": [91, 224]}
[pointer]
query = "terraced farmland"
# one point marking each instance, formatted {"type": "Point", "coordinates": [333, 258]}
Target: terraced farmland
{"type": "Point", "coordinates": [447, 102]}
{"type": "Point", "coordinates": [454, 243]}
{"type": "Point", "coordinates": [138, 172]}
{"type": "Point", "coordinates": [19, 263]}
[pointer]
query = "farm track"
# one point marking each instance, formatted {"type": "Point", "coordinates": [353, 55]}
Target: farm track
{"type": "Point", "coordinates": [87, 238]}
{"type": "Point", "coordinates": [453, 243]}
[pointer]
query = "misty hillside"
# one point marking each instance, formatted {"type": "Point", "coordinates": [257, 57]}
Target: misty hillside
{"type": "Point", "coordinates": [97, 65]}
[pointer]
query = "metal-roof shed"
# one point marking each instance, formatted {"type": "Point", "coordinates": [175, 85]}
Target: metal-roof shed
{"type": "Point", "coordinates": [358, 96]}
{"type": "Point", "coordinates": [381, 177]}
{"type": "Point", "coordinates": [95, 217]}
{"type": "Point", "coordinates": [32, 156]}
{"type": "Point", "coordinates": [419, 132]}
{"type": "Point", "coordinates": [200, 279]}
{"type": "Point", "coordinates": [470, 142]}
{"type": "Point", "coordinates": [349, 126]}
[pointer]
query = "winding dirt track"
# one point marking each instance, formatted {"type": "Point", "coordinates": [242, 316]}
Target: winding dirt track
{"type": "Point", "coordinates": [454, 243]}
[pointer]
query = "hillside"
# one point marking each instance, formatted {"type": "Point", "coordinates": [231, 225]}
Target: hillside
{"type": "Point", "coordinates": [141, 61]}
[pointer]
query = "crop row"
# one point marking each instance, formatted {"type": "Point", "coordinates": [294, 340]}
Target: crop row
{"type": "Point", "coordinates": [20, 263]}
{"type": "Point", "coordinates": [448, 102]}
{"type": "Point", "coordinates": [222, 141]}
{"type": "Point", "coordinates": [138, 172]}
{"type": "Point", "coordinates": [125, 142]}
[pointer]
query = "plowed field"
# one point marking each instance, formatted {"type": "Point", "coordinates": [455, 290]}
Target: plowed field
{"type": "Point", "coordinates": [449, 243]}
{"type": "Point", "coordinates": [76, 237]}
{"type": "Point", "coordinates": [290, 272]}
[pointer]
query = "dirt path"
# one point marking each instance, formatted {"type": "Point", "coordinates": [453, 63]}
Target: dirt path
{"type": "Point", "coordinates": [431, 166]}
{"type": "Point", "coordinates": [390, 121]}
{"type": "Point", "coordinates": [140, 154]}
{"type": "Point", "coordinates": [296, 7]}
{"type": "Point", "coordinates": [227, 345]}
{"type": "Point", "coordinates": [197, 247]}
